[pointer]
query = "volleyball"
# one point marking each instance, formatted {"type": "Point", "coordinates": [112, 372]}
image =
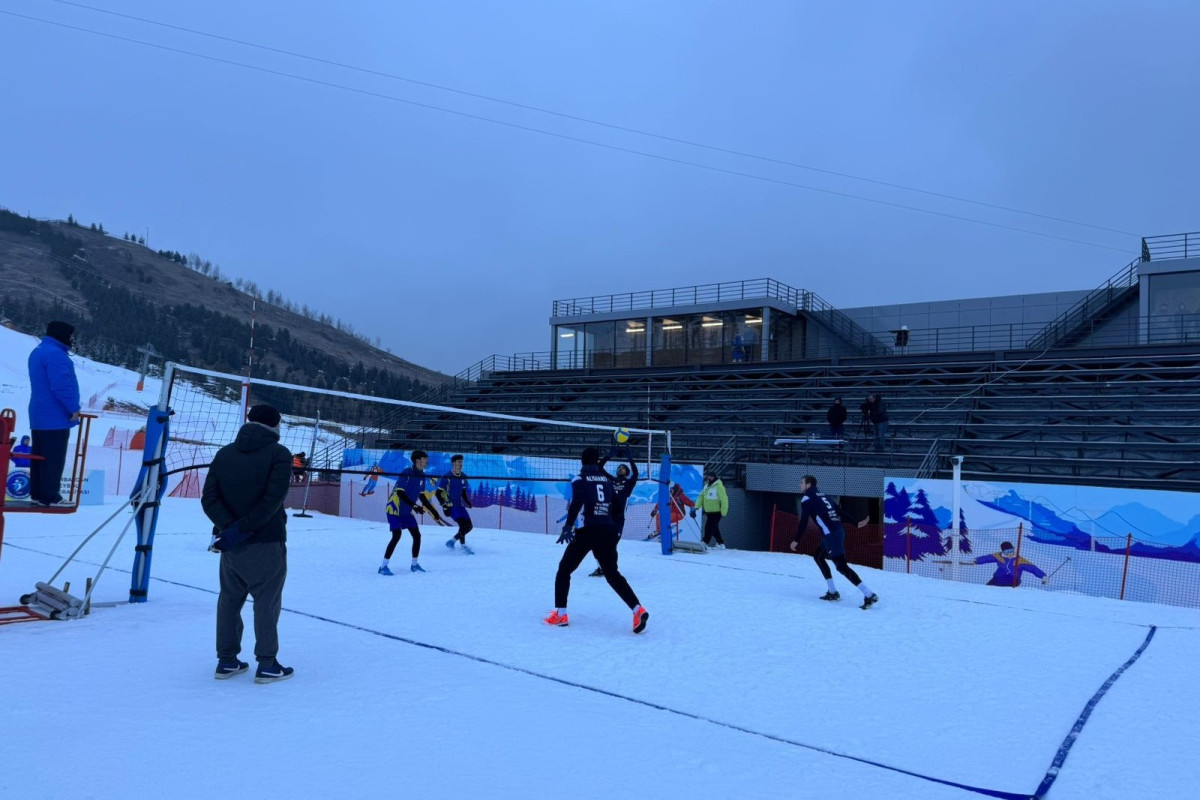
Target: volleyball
{"type": "Point", "coordinates": [621, 435]}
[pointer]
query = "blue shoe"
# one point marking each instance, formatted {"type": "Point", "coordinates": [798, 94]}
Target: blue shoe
{"type": "Point", "coordinates": [274, 671]}
{"type": "Point", "coordinates": [415, 568]}
{"type": "Point", "coordinates": [227, 669]}
{"type": "Point", "coordinates": [385, 571]}
{"type": "Point", "coordinates": [467, 551]}
{"type": "Point", "coordinates": [450, 544]}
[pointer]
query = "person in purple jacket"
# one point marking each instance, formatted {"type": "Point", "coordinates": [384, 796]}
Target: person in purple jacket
{"type": "Point", "coordinates": [1007, 564]}
{"type": "Point", "coordinates": [53, 410]}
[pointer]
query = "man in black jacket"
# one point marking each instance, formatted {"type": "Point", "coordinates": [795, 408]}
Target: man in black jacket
{"type": "Point", "coordinates": [837, 418]}
{"type": "Point", "coordinates": [879, 419]}
{"type": "Point", "coordinates": [243, 496]}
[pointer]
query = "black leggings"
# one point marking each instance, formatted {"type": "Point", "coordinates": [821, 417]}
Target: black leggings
{"type": "Point", "coordinates": [839, 562]}
{"type": "Point", "coordinates": [603, 543]}
{"type": "Point", "coordinates": [396, 534]}
{"type": "Point", "coordinates": [712, 526]}
{"type": "Point", "coordinates": [464, 527]}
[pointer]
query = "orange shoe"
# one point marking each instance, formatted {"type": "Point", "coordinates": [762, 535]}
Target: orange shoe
{"type": "Point", "coordinates": [640, 617]}
{"type": "Point", "coordinates": [555, 618]}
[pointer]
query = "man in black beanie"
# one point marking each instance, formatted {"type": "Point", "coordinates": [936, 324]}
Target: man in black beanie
{"type": "Point", "coordinates": [53, 410]}
{"type": "Point", "coordinates": [243, 495]}
{"type": "Point", "coordinates": [593, 494]}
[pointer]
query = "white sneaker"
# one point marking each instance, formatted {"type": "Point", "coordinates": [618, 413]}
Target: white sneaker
{"type": "Point", "coordinates": [720, 547]}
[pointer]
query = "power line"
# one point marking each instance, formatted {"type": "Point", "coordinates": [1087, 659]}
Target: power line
{"type": "Point", "coordinates": [589, 120]}
{"type": "Point", "coordinates": [561, 136]}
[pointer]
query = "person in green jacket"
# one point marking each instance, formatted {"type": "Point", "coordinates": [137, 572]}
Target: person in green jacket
{"type": "Point", "coordinates": [715, 504]}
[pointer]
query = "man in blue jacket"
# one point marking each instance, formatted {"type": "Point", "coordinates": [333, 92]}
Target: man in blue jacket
{"type": "Point", "coordinates": [53, 411]}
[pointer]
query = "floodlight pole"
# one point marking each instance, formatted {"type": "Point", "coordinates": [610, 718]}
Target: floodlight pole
{"type": "Point", "coordinates": [147, 352]}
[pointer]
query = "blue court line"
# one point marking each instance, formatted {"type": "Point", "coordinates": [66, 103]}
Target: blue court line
{"type": "Point", "coordinates": [1065, 748]}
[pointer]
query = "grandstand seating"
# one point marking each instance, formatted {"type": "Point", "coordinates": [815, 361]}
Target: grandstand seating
{"type": "Point", "coordinates": [1128, 417]}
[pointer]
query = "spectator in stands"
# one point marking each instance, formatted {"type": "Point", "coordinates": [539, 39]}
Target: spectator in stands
{"type": "Point", "coordinates": [243, 496]}
{"type": "Point", "coordinates": [299, 462]}
{"type": "Point", "coordinates": [879, 418]}
{"type": "Point", "coordinates": [19, 450]}
{"type": "Point", "coordinates": [864, 420]}
{"type": "Point", "coordinates": [837, 418]}
{"type": "Point", "coordinates": [739, 349]}
{"type": "Point", "coordinates": [53, 410]}
{"type": "Point", "coordinates": [714, 502]}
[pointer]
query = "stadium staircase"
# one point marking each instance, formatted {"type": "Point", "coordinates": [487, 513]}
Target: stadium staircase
{"type": "Point", "coordinates": [1090, 313]}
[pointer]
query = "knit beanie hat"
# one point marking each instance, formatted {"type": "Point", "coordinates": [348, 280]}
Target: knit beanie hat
{"type": "Point", "coordinates": [265, 415]}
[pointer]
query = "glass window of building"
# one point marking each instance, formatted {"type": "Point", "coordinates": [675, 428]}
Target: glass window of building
{"type": "Point", "coordinates": [631, 343]}
{"type": "Point", "coordinates": [568, 347]}
{"type": "Point", "coordinates": [670, 342]}
{"type": "Point", "coordinates": [1173, 305]}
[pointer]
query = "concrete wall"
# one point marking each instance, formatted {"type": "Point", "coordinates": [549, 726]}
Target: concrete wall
{"type": "Point", "coordinates": [833, 480]}
{"type": "Point", "coordinates": [1021, 309]}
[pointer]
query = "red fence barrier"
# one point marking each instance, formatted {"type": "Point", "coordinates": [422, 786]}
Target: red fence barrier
{"type": "Point", "coordinates": [864, 546]}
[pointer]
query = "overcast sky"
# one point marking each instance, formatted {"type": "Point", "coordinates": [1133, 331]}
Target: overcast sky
{"type": "Point", "coordinates": [449, 237]}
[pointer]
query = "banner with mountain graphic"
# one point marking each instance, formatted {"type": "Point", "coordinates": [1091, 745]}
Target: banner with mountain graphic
{"type": "Point", "coordinates": [1124, 543]}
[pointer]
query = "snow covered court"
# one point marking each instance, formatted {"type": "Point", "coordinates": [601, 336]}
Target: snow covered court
{"type": "Point", "coordinates": [447, 684]}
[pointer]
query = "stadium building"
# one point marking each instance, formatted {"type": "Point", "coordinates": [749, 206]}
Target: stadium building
{"type": "Point", "coordinates": [1097, 386]}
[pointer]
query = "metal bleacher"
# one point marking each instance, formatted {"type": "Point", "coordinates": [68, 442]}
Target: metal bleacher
{"type": "Point", "coordinates": [1125, 416]}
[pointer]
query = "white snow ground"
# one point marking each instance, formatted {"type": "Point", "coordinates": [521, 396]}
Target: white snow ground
{"type": "Point", "coordinates": [969, 684]}
{"type": "Point", "coordinates": [447, 684]}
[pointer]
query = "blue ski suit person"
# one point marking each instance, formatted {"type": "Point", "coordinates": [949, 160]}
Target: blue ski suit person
{"type": "Point", "coordinates": [1009, 568]}
{"type": "Point", "coordinates": [53, 410]}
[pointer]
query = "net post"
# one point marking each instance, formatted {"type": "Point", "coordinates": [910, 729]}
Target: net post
{"type": "Point", "coordinates": [1125, 569]}
{"type": "Point", "coordinates": [664, 505]}
{"type": "Point", "coordinates": [146, 495]}
{"type": "Point", "coordinates": [1017, 564]}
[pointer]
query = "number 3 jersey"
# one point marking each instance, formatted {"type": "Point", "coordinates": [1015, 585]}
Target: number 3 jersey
{"type": "Point", "coordinates": [593, 494]}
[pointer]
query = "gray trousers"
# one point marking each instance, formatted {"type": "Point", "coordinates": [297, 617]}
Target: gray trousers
{"type": "Point", "coordinates": [258, 569]}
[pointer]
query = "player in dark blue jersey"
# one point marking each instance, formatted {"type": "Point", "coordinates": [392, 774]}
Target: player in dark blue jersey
{"type": "Point", "coordinates": [592, 494]}
{"type": "Point", "coordinates": [408, 499]}
{"type": "Point", "coordinates": [817, 507]}
{"type": "Point", "coordinates": [453, 492]}
{"type": "Point", "coordinates": [623, 483]}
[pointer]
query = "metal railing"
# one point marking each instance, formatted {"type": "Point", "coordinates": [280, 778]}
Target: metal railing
{"type": "Point", "coordinates": [754, 289]}
{"type": "Point", "coordinates": [1075, 319]}
{"type": "Point", "coordinates": [929, 464]}
{"type": "Point", "coordinates": [1175, 245]}
{"type": "Point", "coordinates": [862, 341]}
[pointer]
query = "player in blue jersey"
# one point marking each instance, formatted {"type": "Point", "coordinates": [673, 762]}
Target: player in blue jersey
{"type": "Point", "coordinates": [817, 507]}
{"type": "Point", "coordinates": [408, 499]}
{"type": "Point", "coordinates": [592, 493]}
{"type": "Point", "coordinates": [623, 483]}
{"type": "Point", "coordinates": [453, 492]}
